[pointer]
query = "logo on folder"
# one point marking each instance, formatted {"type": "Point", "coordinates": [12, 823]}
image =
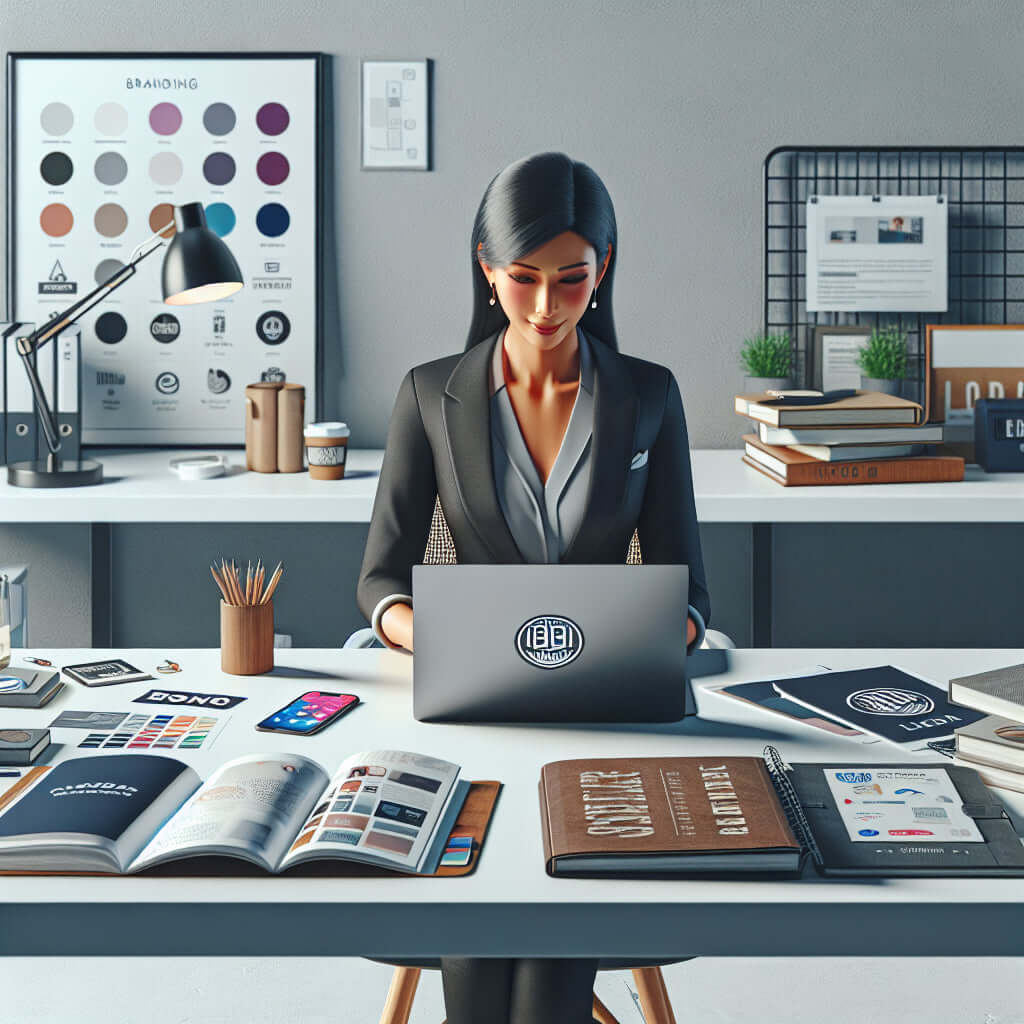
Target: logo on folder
{"type": "Point", "coordinates": [890, 701]}
{"type": "Point", "coordinates": [549, 641]}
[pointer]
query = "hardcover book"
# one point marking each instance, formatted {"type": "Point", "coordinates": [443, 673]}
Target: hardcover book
{"type": "Point", "coordinates": [865, 407]}
{"type": "Point", "coordinates": [691, 816]}
{"type": "Point", "coordinates": [926, 434]}
{"type": "Point", "coordinates": [998, 692]}
{"type": "Point", "coordinates": [793, 469]}
{"type": "Point", "coordinates": [997, 742]}
{"type": "Point", "coordinates": [124, 814]}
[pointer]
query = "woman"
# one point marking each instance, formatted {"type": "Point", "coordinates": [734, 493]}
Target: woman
{"type": "Point", "coordinates": [542, 444]}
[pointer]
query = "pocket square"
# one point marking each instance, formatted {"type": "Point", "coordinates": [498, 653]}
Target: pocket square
{"type": "Point", "coordinates": [639, 460]}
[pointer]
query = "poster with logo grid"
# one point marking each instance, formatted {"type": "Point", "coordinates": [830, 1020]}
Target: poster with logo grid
{"type": "Point", "coordinates": [101, 147]}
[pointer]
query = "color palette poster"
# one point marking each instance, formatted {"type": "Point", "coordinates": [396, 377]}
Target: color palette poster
{"type": "Point", "coordinates": [102, 148]}
{"type": "Point", "coordinates": [184, 732]}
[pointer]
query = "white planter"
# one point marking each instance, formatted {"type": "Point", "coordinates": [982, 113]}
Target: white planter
{"type": "Point", "coordinates": [751, 385]}
{"type": "Point", "coordinates": [885, 386]}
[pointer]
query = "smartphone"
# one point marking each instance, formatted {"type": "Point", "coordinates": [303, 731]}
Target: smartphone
{"type": "Point", "coordinates": [309, 713]}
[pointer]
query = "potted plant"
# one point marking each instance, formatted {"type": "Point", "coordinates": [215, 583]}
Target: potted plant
{"type": "Point", "coordinates": [768, 360]}
{"type": "Point", "coordinates": [883, 361]}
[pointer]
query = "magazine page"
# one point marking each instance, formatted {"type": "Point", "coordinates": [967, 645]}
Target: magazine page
{"type": "Point", "coordinates": [381, 807]}
{"type": "Point", "coordinates": [92, 813]}
{"type": "Point", "coordinates": [250, 808]}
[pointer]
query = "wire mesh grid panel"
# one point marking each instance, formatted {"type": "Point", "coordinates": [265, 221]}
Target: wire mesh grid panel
{"type": "Point", "coordinates": [984, 190]}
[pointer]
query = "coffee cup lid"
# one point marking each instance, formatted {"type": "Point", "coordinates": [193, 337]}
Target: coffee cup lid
{"type": "Point", "coordinates": [327, 430]}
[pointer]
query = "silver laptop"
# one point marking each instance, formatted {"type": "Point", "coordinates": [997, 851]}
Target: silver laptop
{"type": "Point", "coordinates": [550, 643]}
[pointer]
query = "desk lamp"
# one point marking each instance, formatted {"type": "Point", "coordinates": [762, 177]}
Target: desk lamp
{"type": "Point", "coordinates": [198, 267]}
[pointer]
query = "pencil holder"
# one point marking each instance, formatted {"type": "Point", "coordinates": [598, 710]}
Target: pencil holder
{"type": "Point", "coordinates": [247, 638]}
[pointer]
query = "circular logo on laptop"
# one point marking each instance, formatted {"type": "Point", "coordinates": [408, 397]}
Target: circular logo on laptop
{"type": "Point", "coordinates": [889, 701]}
{"type": "Point", "coordinates": [549, 641]}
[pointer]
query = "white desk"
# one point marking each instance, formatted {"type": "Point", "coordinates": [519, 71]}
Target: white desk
{"type": "Point", "coordinates": [509, 906]}
{"type": "Point", "coordinates": [139, 488]}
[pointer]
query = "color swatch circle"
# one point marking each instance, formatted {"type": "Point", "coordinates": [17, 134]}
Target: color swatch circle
{"type": "Point", "coordinates": [219, 168]}
{"type": "Point", "coordinates": [111, 168]}
{"type": "Point", "coordinates": [272, 168]}
{"type": "Point", "coordinates": [56, 119]}
{"type": "Point", "coordinates": [106, 269]}
{"type": "Point", "coordinates": [165, 119]}
{"type": "Point", "coordinates": [220, 219]}
{"type": "Point", "coordinates": [165, 168]}
{"type": "Point", "coordinates": [219, 119]}
{"type": "Point", "coordinates": [56, 168]}
{"type": "Point", "coordinates": [111, 220]}
{"type": "Point", "coordinates": [111, 328]}
{"type": "Point", "coordinates": [56, 220]}
{"type": "Point", "coordinates": [111, 120]}
{"type": "Point", "coordinates": [272, 119]}
{"type": "Point", "coordinates": [161, 214]}
{"type": "Point", "coordinates": [272, 220]}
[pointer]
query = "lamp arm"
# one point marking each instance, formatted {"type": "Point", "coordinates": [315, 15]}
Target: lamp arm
{"type": "Point", "coordinates": [31, 343]}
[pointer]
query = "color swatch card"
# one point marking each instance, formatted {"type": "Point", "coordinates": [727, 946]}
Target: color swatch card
{"type": "Point", "coordinates": [102, 150]}
{"type": "Point", "coordinates": [158, 732]}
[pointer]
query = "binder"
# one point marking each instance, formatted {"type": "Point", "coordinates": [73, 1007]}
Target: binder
{"type": "Point", "coordinates": [68, 406]}
{"type": "Point", "coordinates": [814, 817]}
{"type": "Point", "coordinates": [19, 407]}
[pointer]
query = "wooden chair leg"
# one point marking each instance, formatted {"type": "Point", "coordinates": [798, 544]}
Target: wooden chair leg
{"type": "Point", "coordinates": [400, 995]}
{"type": "Point", "coordinates": [602, 1013]}
{"type": "Point", "coordinates": [650, 987]}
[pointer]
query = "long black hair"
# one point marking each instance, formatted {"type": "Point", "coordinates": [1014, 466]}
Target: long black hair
{"type": "Point", "coordinates": [524, 207]}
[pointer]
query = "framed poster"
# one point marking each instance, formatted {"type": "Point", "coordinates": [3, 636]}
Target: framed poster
{"type": "Point", "coordinates": [965, 362]}
{"type": "Point", "coordinates": [395, 115]}
{"type": "Point", "coordinates": [101, 147]}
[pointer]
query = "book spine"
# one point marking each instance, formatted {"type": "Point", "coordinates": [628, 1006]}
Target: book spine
{"type": "Point", "coordinates": [940, 469]}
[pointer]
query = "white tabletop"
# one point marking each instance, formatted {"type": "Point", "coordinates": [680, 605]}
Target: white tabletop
{"type": "Point", "coordinates": [509, 906]}
{"type": "Point", "coordinates": [139, 487]}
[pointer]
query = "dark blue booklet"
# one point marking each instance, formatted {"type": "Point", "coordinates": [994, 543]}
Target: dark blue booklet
{"type": "Point", "coordinates": [882, 701]}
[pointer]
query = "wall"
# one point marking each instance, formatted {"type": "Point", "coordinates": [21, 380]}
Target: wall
{"type": "Point", "coordinates": [675, 103]}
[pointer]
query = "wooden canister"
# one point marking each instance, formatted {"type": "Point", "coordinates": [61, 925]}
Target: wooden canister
{"type": "Point", "coordinates": [261, 426]}
{"type": "Point", "coordinates": [291, 415]}
{"type": "Point", "coordinates": [246, 638]}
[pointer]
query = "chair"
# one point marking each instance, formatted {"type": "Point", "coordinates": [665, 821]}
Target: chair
{"type": "Point", "coordinates": [647, 975]}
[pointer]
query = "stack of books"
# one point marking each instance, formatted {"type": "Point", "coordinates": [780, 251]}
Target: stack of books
{"type": "Point", "coordinates": [863, 438]}
{"type": "Point", "coordinates": [993, 746]}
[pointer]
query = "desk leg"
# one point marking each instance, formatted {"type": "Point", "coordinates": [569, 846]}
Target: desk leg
{"type": "Point", "coordinates": [101, 577]}
{"type": "Point", "coordinates": [761, 585]}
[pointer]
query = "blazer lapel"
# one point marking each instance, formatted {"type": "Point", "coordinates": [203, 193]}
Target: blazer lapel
{"type": "Point", "coordinates": [466, 409]}
{"type": "Point", "coordinates": [615, 413]}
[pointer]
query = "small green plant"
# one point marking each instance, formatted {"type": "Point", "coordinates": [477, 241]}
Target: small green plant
{"type": "Point", "coordinates": [885, 355]}
{"type": "Point", "coordinates": [767, 355]}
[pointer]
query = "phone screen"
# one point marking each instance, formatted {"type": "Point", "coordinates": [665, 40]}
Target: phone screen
{"type": "Point", "coordinates": [310, 712]}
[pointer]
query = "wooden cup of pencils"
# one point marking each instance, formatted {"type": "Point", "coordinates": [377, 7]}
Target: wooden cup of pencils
{"type": "Point", "coordinates": [246, 618]}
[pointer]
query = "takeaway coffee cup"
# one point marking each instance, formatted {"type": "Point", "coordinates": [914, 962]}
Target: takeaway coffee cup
{"type": "Point", "coordinates": [326, 448]}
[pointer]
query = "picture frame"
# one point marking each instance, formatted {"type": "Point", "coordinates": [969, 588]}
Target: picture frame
{"type": "Point", "coordinates": [249, 148]}
{"type": "Point", "coordinates": [834, 353]}
{"type": "Point", "coordinates": [395, 119]}
{"type": "Point", "coordinates": [965, 362]}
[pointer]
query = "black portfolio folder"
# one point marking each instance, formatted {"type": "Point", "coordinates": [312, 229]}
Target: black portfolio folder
{"type": "Point", "coordinates": [818, 825]}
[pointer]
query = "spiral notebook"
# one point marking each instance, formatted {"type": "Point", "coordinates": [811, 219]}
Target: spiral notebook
{"type": "Point", "coordinates": [895, 820]}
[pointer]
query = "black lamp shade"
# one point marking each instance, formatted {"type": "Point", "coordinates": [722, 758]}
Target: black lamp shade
{"type": "Point", "coordinates": [198, 266]}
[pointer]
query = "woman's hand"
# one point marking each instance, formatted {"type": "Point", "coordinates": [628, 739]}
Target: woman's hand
{"type": "Point", "coordinates": [691, 627]}
{"type": "Point", "coordinates": [396, 625]}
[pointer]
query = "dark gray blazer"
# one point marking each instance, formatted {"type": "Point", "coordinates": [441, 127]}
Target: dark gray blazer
{"type": "Point", "coordinates": [439, 444]}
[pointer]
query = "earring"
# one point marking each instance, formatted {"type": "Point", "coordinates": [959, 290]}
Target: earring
{"type": "Point", "coordinates": [593, 300]}
{"type": "Point", "coordinates": [494, 296]}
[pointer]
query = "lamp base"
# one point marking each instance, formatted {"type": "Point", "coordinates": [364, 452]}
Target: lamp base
{"type": "Point", "coordinates": [66, 473]}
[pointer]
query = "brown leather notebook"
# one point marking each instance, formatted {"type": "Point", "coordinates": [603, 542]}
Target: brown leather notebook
{"type": "Point", "coordinates": [472, 823]}
{"type": "Point", "coordinates": [663, 815]}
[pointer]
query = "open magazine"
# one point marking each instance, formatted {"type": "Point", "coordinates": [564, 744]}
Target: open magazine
{"type": "Point", "coordinates": [388, 808]}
